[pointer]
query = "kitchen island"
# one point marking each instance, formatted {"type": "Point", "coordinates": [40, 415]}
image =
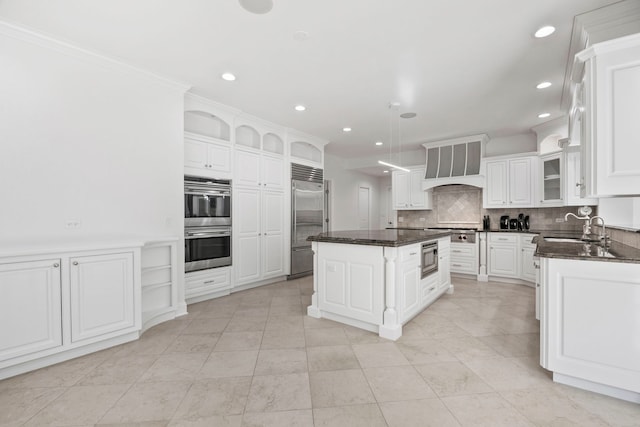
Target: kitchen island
{"type": "Point", "coordinates": [372, 279]}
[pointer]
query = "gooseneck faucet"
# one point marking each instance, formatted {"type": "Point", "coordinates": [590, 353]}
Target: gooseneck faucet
{"type": "Point", "coordinates": [603, 235]}
{"type": "Point", "coordinates": [586, 228]}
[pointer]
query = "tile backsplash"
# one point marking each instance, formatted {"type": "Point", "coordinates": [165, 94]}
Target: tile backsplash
{"type": "Point", "coordinates": [461, 206]}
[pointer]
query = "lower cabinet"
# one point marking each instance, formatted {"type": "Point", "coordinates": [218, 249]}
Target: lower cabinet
{"type": "Point", "coordinates": [527, 266]}
{"type": "Point", "coordinates": [411, 292]}
{"type": "Point", "coordinates": [64, 302]}
{"type": "Point", "coordinates": [444, 263]}
{"type": "Point", "coordinates": [503, 259]}
{"type": "Point", "coordinates": [30, 315]}
{"type": "Point", "coordinates": [511, 255]}
{"type": "Point", "coordinates": [464, 258]}
{"type": "Point", "coordinates": [205, 284]}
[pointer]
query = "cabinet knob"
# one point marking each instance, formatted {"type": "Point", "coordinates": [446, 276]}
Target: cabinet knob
{"type": "Point", "coordinates": [578, 184]}
{"type": "Point", "coordinates": [75, 262]}
{"type": "Point", "coordinates": [56, 265]}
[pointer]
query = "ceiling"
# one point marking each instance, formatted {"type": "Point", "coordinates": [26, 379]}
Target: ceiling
{"type": "Point", "coordinates": [464, 67]}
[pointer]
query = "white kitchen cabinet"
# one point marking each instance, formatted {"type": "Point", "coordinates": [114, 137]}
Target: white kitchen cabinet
{"type": "Point", "coordinates": [411, 293]}
{"type": "Point", "coordinates": [574, 180]}
{"type": "Point", "coordinates": [258, 235]}
{"type": "Point", "coordinates": [30, 307]}
{"type": "Point", "coordinates": [206, 284]}
{"type": "Point", "coordinates": [464, 258]}
{"type": "Point", "coordinates": [552, 177]}
{"type": "Point", "coordinates": [527, 267]}
{"type": "Point", "coordinates": [102, 295]}
{"type": "Point", "coordinates": [590, 325]}
{"type": "Point", "coordinates": [444, 263]}
{"type": "Point", "coordinates": [205, 156]}
{"type": "Point", "coordinates": [510, 182]}
{"type": "Point", "coordinates": [254, 169]}
{"type": "Point", "coordinates": [610, 149]}
{"type": "Point", "coordinates": [503, 255]}
{"type": "Point", "coordinates": [407, 190]}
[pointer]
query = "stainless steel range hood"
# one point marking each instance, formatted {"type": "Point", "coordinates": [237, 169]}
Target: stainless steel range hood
{"type": "Point", "coordinates": [455, 161]}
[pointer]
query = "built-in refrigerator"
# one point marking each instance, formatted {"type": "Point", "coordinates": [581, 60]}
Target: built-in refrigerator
{"type": "Point", "coordinates": [307, 216]}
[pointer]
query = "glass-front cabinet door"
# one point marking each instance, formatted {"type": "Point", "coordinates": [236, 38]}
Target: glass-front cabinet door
{"type": "Point", "coordinates": [551, 174]}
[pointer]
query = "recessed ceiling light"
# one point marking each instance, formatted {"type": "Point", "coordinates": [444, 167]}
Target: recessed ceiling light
{"type": "Point", "coordinates": [543, 85]}
{"type": "Point", "coordinates": [228, 77]}
{"type": "Point", "coordinates": [385, 171]}
{"type": "Point", "coordinates": [257, 6]}
{"type": "Point", "coordinates": [545, 31]}
{"type": "Point", "coordinates": [346, 129]}
{"type": "Point", "coordinates": [300, 107]}
{"type": "Point", "coordinates": [379, 143]}
{"type": "Point", "coordinates": [408, 115]}
{"type": "Point", "coordinates": [543, 115]}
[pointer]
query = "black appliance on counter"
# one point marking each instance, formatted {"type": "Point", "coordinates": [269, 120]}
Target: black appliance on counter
{"type": "Point", "coordinates": [486, 222]}
{"type": "Point", "coordinates": [504, 222]}
{"type": "Point", "coordinates": [513, 224]}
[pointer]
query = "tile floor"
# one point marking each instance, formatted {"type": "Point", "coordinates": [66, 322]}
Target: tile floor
{"type": "Point", "coordinates": [255, 359]}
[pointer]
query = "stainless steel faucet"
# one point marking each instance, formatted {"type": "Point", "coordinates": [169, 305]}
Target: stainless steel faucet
{"type": "Point", "coordinates": [586, 228]}
{"type": "Point", "coordinates": [603, 234]}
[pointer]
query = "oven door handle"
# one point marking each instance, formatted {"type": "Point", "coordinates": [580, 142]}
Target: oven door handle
{"type": "Point", "coordinates": [206, 234]}
{"type": "Point", "coordinates": [197, 192]}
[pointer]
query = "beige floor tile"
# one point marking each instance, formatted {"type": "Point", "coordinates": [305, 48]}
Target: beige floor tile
{"type": "Point", "coordinates": [207, 325]}
{"type": "Point", "coordinates": [79, 405]}
{"type": "Point", "coordinates": [147, 402]}
{"type": "Point", "coordinates": [286, 310]}
{"type": "Point", "coordinates": [352, 416]}
{"type": "Point", "coordinates": [285, 300]}
{"type": "Point", "coordinates": [119, 370]}
{"type": "Point", "coordinates": [442, 328]}
{"type": "Point", "coordinates": [171, 327]}
{"type": "Point", "coordinates": [282, 361]}
{"type": "Point", "coordinates": [418, 413]}
{"type": "Point", "coordinates": [313, 323]}
{"type": "Point", "coordinates": [229, 364]}
{"type": "Point", "coordinates": [154, 344]}
{"type": "Point", "coordinates": [242, 323]}
{"type": "Point", "coordinates": [425, 351]}
{"type": "Point", "coordinates": [376, 355]}
{"type": "Point", "coordinates": [516, 325]}
{"type": "Point", "coordinates": [545, 406]}
{"type": "Point", "coordinates": [487, 409]}
{"type": "Point", "coordinates": [175, 367]}
{"type": "Point", "coordinates": [505, 374]}
{"type": "Point", "coordinates": [393, 383]}
{"type": "Point", "coordinates": [271, 393]}
{"type": "Point", "coordinates": [259, 311]}
{"type": "Point", "coordinates": [514, 345]}
{"type": "Point", "coordinates": [299, 418]}
{"type": "Point", "coordinates": [163, 423]}
{"type": "Point", "coordinates": [197, 343]}
{"type": "Point", "coordinates": [452, 378]}
{"type": "Point", "coordinates": [360, 336]}
{"type": "Point", "coordinates": [239, 341]}
{"type": "Point", "coordinates": [325, 336]}
{"type": "Point", "coordinates": [478, 326]}
{"type": "Point", "coordinates": [339, 388]}
{"type": "Point", "coordinates": [273, 339]}
{"type": "Point", "coordinates": [218, 308]}
{"type": "Point", "coordinates": [20, 404]}
{"type": "Point", "coordinates": [212, 421]}
{"type": "Point", "coordinates": [220, 396]}
{"type": "Point", "coordinates": [616, 412]}
{"type": "Point", "coordinates": [331, 358]}
{"type": "Point", "coordinates": [282, 323]}
{"type": "Point", "coordinates": [468, 348]}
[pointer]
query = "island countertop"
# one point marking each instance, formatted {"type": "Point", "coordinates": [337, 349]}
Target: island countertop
{"type": "Point", "coordinates": [379, 237]}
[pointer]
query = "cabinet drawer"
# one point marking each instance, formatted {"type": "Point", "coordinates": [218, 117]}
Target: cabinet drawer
{"type": "Point", "coordinates": [202, 282]}
{"type": "Point", "coordinates": [429, 286]}
{"type": "Point", "coordinates": [464, 265]}
{"type": "Point", "coordinates": [411, 252]}
{"type": "Point", "coordinates": [463, 249]}
{"type": "Point", "coordinates": [525, 240]}
{"type": "Point", "coordinates": [503, 238]}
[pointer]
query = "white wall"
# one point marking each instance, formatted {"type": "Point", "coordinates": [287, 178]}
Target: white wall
{"type": "Point", "coordinates": [84, 139]}
{"type": "Point", "coordinates": [345, 186]}
{"type": "Point", "coordinates": [621, 211]}
{"type": "Point", "coordinates": [521, 143]}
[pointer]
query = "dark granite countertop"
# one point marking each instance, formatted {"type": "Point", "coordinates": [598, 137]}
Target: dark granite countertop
{"type": "Point", "coordinates": [389, 237]}
{"type": "Point", "coordinates": [583, 250]}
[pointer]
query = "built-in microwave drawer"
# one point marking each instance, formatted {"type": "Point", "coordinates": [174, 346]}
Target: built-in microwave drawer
{"type": "Point", "coordinates": [503, 238]}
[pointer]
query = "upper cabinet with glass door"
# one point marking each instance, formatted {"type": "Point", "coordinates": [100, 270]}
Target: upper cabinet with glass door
{"type": "Point", "coordinates": [551, 175]}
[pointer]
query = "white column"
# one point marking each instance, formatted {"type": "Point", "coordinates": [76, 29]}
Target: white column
{"type": "Point", "coordinates": [482, 248]}
{"type": "Point", "coordinates": [390, 327]}
{"type": "Point", "coordinates": [313, 310]}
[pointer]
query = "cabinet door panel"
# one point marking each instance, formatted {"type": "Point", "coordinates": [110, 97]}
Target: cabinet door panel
{"type": "Point", "coordinates": [247, 260]}
{"type": "Point", "coordinates": [195, 154]}
{"type": "Point", "coordinates": [410, 282]}
{"type": "Point", "coordinates": [496, 183]}
{"type": "Point", "coordinates": [246, 169]}
{"type": "Point", "coordinates": [30, 310]}
{"type": "Point", "coordinates": [102, 295]}
{"type": "Point", "coordinates": [219, 158]}
{"type": "Point", "coordinates": [273, 255]}
{"type": "Point", "coordinates": [272, 212]}
{"type": "Point", "coordinates": [272, 172]}
{"type": "Point", "coordinates": [520, 193]}
{"type": "Point", "coordinates": [503, 261]}
{"type": "Point", "coordinates": [401, 190]}
{"type": "Point", "coordinates": [246, 205]}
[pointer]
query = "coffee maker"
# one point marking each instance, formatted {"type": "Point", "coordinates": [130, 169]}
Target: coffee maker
{"type": "Point", "coordinates": [504, 222]}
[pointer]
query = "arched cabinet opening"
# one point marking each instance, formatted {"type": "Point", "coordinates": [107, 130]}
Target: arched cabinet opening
{"type": "Point", "coordinates": [207, 124]}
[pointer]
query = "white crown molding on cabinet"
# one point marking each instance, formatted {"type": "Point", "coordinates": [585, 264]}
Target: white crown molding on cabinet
{"type": "Point", "coordinates": [616, 20]}
{"type": "Point", "coordinates": [193, 102]}
{"type": "Point", "coordinates": [30, 36]}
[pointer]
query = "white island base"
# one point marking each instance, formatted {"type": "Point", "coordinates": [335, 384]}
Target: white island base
{"type": "Point", "coordinates": [376, 288]}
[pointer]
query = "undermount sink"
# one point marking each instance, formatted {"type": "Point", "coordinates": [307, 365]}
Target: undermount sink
{"type": "Point", "coordinates": [563, 239]}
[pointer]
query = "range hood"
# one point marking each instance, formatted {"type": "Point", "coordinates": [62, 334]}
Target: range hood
{"type": "Point", "coordinates": [455, 161]}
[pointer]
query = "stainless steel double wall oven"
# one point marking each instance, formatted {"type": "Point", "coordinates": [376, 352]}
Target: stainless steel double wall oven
{"type": "Point", "coordinates": [207, 223]}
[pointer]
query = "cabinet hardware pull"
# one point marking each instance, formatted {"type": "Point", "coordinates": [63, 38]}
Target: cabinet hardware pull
{"type": "Point", "coordinates": [578, 184]}
{"type": "Point", "coordinates": [209, 281]}
{"type": "Point", "coordinates": [432, 289]}
{"type": "Point", "coordinates": [457, 265]}
{"type": "Point", "coordinates": [56, 265]}
{"type": "Point", "coordinates": [413, 253]}
{"type": "Point", "coordinates": [75, 262]}
{"type": "Point", "coordinates": [456, 251]}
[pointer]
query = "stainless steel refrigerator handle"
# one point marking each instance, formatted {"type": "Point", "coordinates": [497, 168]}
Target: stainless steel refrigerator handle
{"type": "Point", "coordinates": [294, 221]}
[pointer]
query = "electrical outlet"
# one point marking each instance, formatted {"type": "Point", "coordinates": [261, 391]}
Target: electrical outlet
{"type": "Point", "coordinates": [72, 223]}
{"type": "Point", "coordinates": [559, 219]}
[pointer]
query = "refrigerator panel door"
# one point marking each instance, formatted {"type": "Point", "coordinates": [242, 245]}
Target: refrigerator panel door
{"type": "Point", "coordinates": [307, 211]}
